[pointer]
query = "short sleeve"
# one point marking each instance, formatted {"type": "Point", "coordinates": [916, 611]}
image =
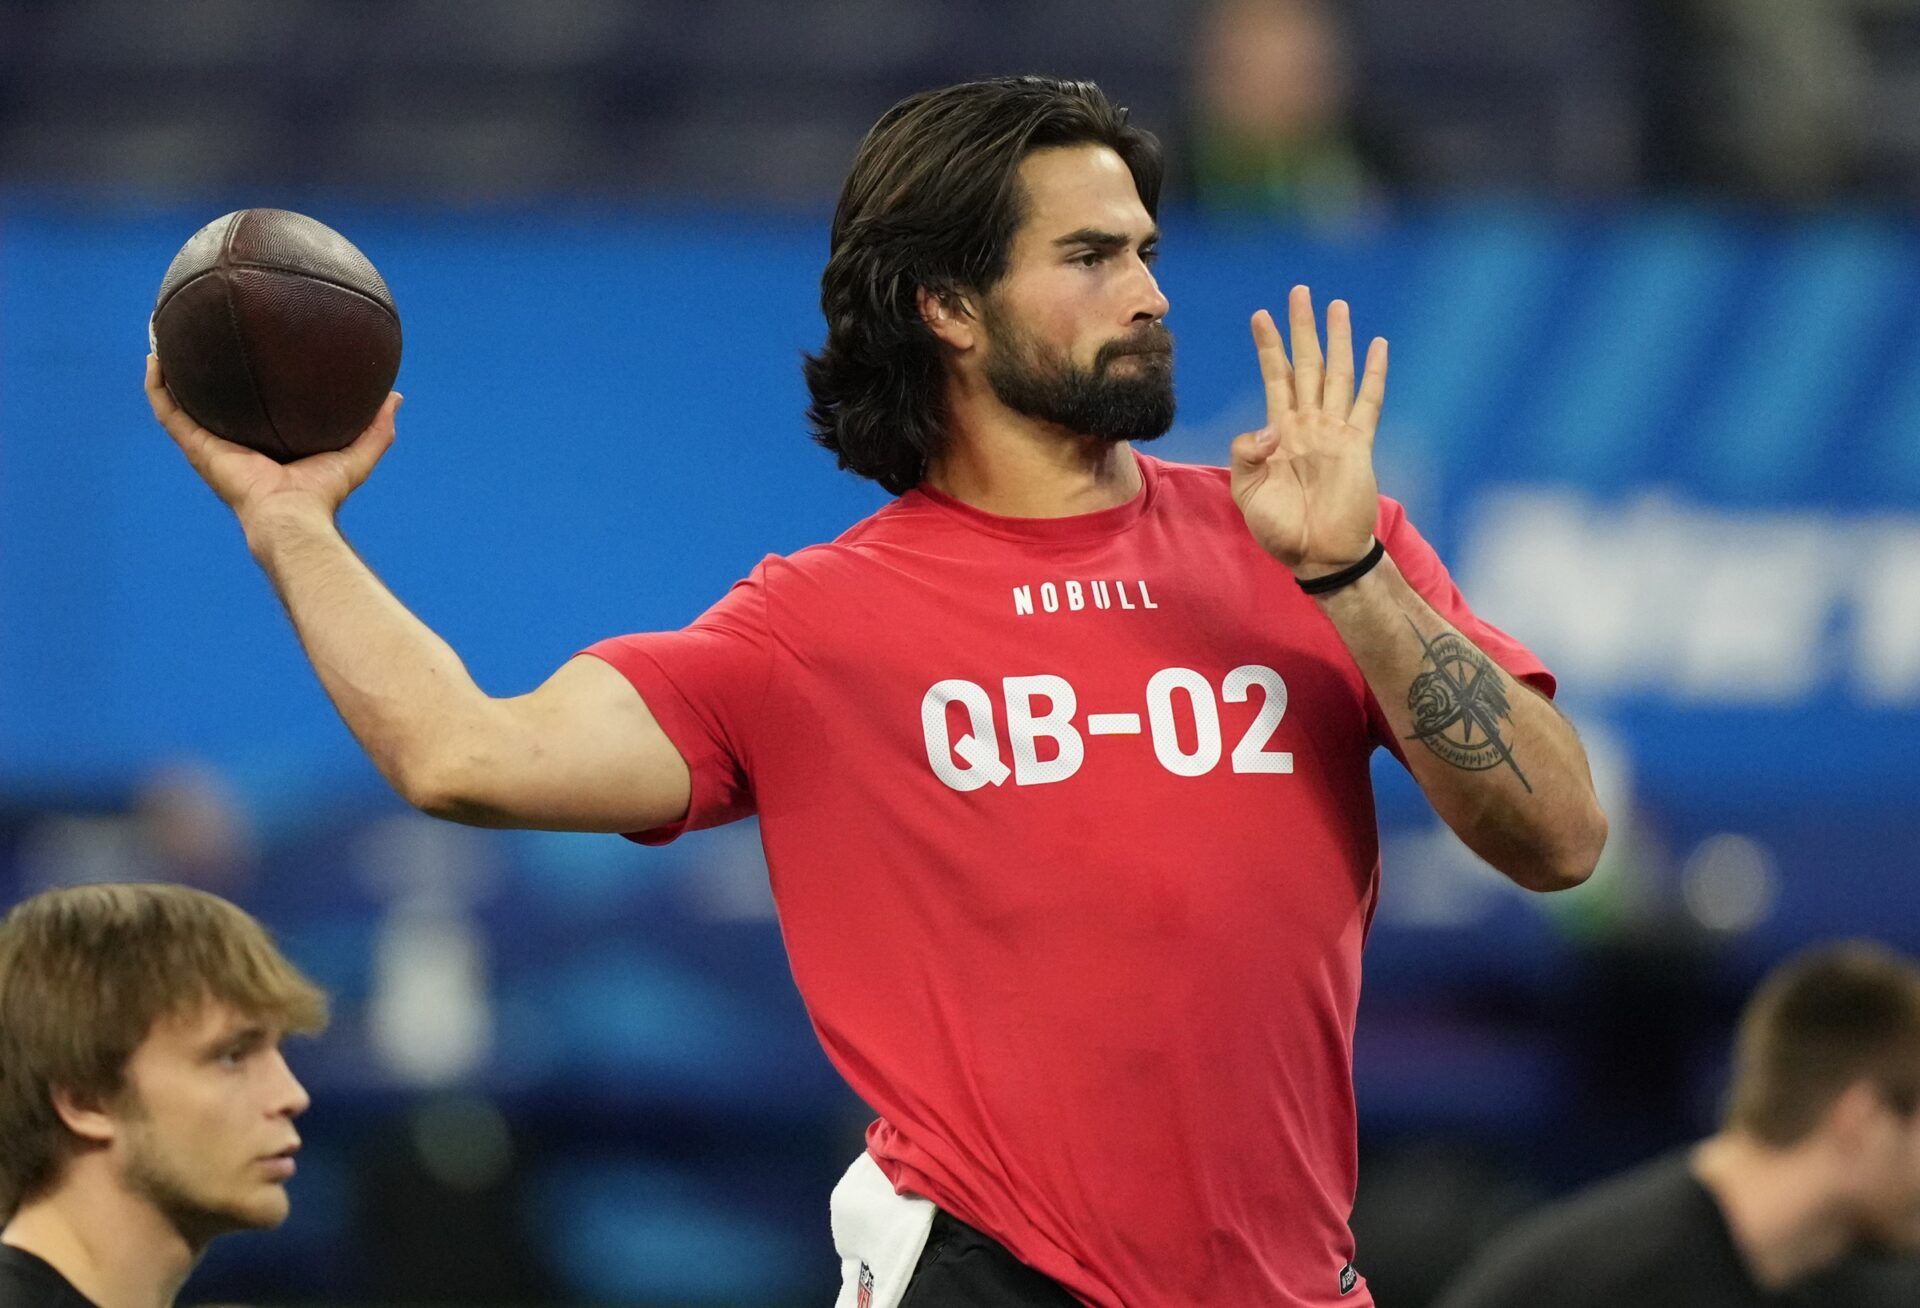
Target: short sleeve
{"type": "Point", "coordinates": [705, 685]}
{"type": "Point", "coordinates": [1428, 575]}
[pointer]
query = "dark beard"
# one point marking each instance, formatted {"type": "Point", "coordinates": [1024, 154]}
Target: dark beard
{"type": "Point", "coordinates": [1090, 401]}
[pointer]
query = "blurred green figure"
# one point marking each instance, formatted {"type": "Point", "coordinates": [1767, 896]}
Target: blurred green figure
{"type": "Point", "coordinates": [1273, 95]}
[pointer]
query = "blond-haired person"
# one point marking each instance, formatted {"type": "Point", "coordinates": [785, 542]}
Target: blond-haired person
{"type": "Point", "coordinates": [145, 1107]}
{"type": "Point", "coordinates": [1819, 1158]}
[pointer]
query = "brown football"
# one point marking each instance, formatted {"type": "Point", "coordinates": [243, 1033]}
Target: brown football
{"type": "Point", "coordinates": [275, 332]}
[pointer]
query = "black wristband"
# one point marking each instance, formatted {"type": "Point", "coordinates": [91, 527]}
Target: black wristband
{"type": "Point", "coordinates": [1347, 575]}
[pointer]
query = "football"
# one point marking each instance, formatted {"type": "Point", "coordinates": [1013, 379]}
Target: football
{"type": "Point", "coordinates": [275, 332]}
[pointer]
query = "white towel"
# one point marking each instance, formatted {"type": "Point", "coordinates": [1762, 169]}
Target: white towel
{"type": "Point", "coordinates": [878, 1235]}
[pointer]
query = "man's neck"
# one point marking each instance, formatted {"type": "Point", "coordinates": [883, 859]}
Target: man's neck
{"type": "Point", "coordinates": [113, 1247]}
{"type": "Point", "coordinates": [1779, 1204]}
{"type": "Point", "coordinates": [1006, 463]}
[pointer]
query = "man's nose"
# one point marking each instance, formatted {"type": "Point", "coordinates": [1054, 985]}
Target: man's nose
{"type": "Point", "coordinates": [292, 1098]}
{"type": "Point", "coordinates": [1153, 305]}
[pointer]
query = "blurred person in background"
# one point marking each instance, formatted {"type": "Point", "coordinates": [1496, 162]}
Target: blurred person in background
{"type": "Point", "coordinates": [183, 824]}
{"type": "Point", "coordinates": [1274, 130]}
{"type": "Point", "coordinates": [145, 1107]}
{"type": "Point", "coordinates": [1818, 1158]}
{"type": "Point", "coordinates": [1099, 985]}
{"type": "Point", "coordinates": [1779, 96]}
{"type": "Point", "coordinates": [194, 829]}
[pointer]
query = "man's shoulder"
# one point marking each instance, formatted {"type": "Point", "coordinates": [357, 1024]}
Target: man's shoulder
{"type": "Point", "coordinates": [1186, 474]}
{"type": "Point", "coordinates": [1188, 480]}
{"type": "Point", "coordinates": [29, 1282]}
{"type": "Point", "coordinates": [1646, 1233]}
{"type": "Point", "coordinates": [1654, 1194]}
{"type": "Point", "coordinates": [897, 523]}
{"type": "Point", "coordinates": [905, 516]}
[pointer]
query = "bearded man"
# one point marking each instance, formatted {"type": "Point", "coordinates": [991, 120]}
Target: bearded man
{"type": "Point", "coordinates": [1060, 758]}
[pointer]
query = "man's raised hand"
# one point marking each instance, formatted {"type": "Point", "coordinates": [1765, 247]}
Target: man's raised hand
{"type": "Point", "coordinates": [1305, 481]}
{"type": "Point", "coordinates": [251, 483]}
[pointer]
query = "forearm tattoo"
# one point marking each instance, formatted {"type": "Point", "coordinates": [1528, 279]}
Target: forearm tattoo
{"type": "Point", "coordinates": [1459, 706]}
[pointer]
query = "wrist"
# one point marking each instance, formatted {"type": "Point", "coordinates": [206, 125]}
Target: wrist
{"type": "Point", "coordinates": [282, 518]}
{"type": "Point", "coordinates": [1375, 587]}
{"type": "Point", "coordinates": [1320, 579]}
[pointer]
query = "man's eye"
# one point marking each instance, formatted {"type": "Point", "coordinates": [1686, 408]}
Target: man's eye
{"type": "Point", "coordinates": [1150, 255]}
{"type": "Point", "coordinates": [1089, 259]}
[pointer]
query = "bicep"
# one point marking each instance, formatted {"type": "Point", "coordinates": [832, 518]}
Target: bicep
{"type": "Point", "coordinates": [583, 752]}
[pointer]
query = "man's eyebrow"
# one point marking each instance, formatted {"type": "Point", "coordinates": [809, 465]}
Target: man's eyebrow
{"type": "Point", "coordinates": [248, 1038]}
{"type": "Point", "coordinates": [1095, 238]}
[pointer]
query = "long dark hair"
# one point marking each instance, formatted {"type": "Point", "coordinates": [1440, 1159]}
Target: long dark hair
{"type": "Point", "coordinates": [932, 202]}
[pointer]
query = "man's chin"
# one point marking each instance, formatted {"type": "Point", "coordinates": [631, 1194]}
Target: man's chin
{"type": "Point", "coordinates": [1152, 433]}
{"type": "Point", "coordinates": [1147, 426]}
{"type": "Point", "coordinates": [270, 1210]}
{"type": "Point", "coordinates": [261, 1211]}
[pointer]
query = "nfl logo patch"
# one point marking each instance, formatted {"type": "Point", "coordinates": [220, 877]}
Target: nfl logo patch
{"type": "Point", "coordinates": [866, 1287]}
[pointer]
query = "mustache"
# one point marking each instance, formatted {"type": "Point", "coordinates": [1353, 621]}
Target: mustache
{"type": "Point", "coordinates": [1154, 338]}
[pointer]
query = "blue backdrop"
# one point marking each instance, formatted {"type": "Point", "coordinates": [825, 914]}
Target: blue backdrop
{"type": "Point", "coordinates": [1616, 426]}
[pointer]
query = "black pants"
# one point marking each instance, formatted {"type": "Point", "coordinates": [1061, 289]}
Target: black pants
{"type": "Point", "coordinates": [961, 1268]}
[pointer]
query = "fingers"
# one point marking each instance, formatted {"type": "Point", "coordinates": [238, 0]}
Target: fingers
{"type": "Point", "coordinates": [1305, 337]}
{"type": "Point", "coordinates": [1313, 381]}
{"type": "Point", "coordinates": [1251, 449]}
{"type": "Point", "coordinates": [1338, 396]}
{"type": "Point", "coordinates": [160, 399]}
{"type": "Point", "coordinates": [1274, 372]}
{"type": "Point", "coordinates": [190, 436]}
{"type": "Point", "coordinates": [1373, 389]}
{"type": "Point", "coordinates": [375, 441]}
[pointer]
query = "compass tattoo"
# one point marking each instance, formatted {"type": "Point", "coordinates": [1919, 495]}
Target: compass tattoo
{"type": "Point", "coordinates": [1459, 706]}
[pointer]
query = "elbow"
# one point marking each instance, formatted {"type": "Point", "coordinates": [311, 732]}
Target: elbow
{"type": "Point", "coordinates": [438, 786]}
{"type": "Point", "coordinates": [1566, 860]}
{"type": "Point", "coordinates": [422, 784]}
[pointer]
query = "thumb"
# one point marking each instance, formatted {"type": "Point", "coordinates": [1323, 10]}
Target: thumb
{"type": "Point", "coordinates": [1251, 449]}
{"type": "Point", "coordinates": [367, 448]}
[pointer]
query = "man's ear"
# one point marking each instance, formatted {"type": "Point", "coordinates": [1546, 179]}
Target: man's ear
{"type": "Point", "coordinates": [949, 317]}
{"type": "Point", "coordinates": [84, 1115]}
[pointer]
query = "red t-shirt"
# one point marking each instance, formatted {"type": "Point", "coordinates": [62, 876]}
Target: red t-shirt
{"type": "Point", "coordinates": [1071, 833]}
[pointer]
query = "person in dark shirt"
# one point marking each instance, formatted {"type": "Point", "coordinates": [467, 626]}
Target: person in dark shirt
{"type": "Point", "coordinates": [144, 1102]}
{"type": "Point", "coordinates": [30, 1282]}
{"type": "Point", "coordinates": [1818, 1161]}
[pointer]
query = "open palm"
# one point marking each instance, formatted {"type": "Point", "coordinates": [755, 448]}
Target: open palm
{"type": "Point", "coordinates": [1305, 480]}
{"type": "Point", "coordinates": [247, 480]}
